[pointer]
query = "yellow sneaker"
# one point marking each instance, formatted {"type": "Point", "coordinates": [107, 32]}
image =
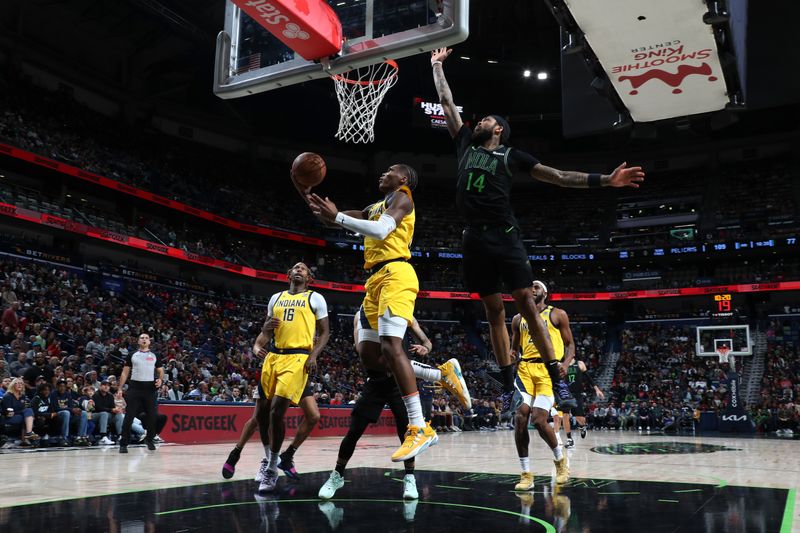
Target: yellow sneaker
{"type": "Point", "coordinates": [525, 481]}
{"type": "Point", "coordinates": [562, 470]}
{"type": "Point", "coordinates": [418, 439]}
{"type": "Point", "coordinates": [453, 381]}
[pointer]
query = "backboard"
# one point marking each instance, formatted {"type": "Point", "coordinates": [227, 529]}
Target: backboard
{"type": "Point", "coordinates": [250, 60]}
{"type": "Point", "coordinates": [711, 338]}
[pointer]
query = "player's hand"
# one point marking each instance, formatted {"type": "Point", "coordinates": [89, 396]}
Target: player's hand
{"type": "Point", "coordinates": [304, 191]}
{"type": "Point", "coordinates": [323, 207]}
{"type": "Point", "coordinates": [273, 323]}
{"type": "Point", "coordinates": [311, 364]}
{"type": "Point", "coordinates": [562, 371]}
{"type": "Point", "coordinates": [624, 176]}
{"type": "Point", "coordinates": [418, 349]}
{"type": "Point", "coordinates": [261, 352]}
{"type": "Point", "coordinates": [440, 54]}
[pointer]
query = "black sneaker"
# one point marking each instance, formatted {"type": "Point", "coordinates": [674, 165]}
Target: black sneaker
{"type": "Point", "coordinates": [287, 465]}
{"type": "Point", "coordinates": [564, 400]}
{"type": "Point", "coordinates": [509, 401]}
{"type": "Point", "coordinates": [229, 468]}
{"type": "Point", "coordinates": [123, 449]}
{"type": "Point", "coordinates": [151, 445]}
{"type": "Point", "coordinates": [583, 432]}
{"type": "Point", "coordinates": [570, 443]}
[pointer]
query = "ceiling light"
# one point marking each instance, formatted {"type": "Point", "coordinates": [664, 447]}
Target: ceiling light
{"type": "Point", "coordinates": [526, 73]}
{"type": "Point", "coordinates": [541, 75]}
{"type": "Point", "coordinates": [492, 61]}
{"type": "Point", "coordinates": [465, 57]}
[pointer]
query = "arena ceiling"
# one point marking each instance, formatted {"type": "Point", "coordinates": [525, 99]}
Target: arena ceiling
{"type": "Point", "coordinates": [158, 55]}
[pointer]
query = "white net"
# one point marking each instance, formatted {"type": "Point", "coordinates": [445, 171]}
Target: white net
{"type": "Point", "coordinates": [360, 93]}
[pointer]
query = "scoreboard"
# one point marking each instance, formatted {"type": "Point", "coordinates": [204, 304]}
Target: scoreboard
{"type": "Point", "coordinates": [723, 306]}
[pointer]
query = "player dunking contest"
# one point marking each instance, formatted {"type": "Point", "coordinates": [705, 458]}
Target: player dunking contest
{"type": "Point", "coordinates": [534, 385]}
{"type": "Point", "coordinates": [391, 289]}
{"type": "Point", "coordinates": [494, 255]}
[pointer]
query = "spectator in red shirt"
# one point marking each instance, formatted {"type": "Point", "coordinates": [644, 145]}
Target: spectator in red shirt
{"type": "Point", "coordinates": [10, 318]}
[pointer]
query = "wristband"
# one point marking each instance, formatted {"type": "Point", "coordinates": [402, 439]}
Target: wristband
{"type": "Point", "coordinates": [435, 63]}
{"type": "Point", "coordinates": [594, 180]}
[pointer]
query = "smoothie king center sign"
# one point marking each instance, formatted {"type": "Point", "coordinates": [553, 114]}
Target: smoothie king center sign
{"type": "Point", "coordinates": [660, 56]}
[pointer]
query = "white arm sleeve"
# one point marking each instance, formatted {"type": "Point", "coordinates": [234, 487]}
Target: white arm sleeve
{"type": "Point", "coordinates": [319, 305]}
{"type": "Point", "coordinates": [377, 229]}
{"type": "Point", "coordinates": [271, 304]}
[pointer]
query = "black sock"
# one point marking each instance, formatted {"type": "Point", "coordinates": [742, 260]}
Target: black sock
{"type": "Point", "coordinates": [289, 453]}
{"type": "Point", "coordinates": [569, 434]}
{"type": "Point", "coordinates": [507, 373]}
{"type": "Point", "coordinates": [409, 467]}
{"type": "Point", "coordinates": [340, 468]}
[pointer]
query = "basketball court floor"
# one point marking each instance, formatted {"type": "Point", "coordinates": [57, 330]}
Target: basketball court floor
{"type": "Point", "coordinates": [621, 481]}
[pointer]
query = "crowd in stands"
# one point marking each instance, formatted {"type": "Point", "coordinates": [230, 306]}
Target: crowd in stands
{"type": "Point", "coordinates": [660, 383]}
{"type": "Point", "coordinates": [64, 339]}
{"type": "Point", "coordinates": [777, 408]}
{"type": "Point", "coordinates": [54, 124]}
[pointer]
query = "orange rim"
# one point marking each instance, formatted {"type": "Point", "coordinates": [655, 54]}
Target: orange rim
{"type": "Point", "coordinates": [390, 62]}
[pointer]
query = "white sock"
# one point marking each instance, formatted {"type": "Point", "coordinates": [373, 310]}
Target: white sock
{"type": "Point", "coordinates": [414, 409]}
{"type": "Point", "coordinates": [426, 372]}
{"type": "Point", "coordinates": [526, 463]}
{"type": "Point", "coordinates": [558, 453]}
{"type": "Point", "coordinates": [273, 460]}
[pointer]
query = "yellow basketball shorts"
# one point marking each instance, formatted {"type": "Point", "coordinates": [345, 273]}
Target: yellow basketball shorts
{"type": "Point", "coordinates": [284, 375]}
{"type": "Point", "coordinates": [394, 288]}
{"type": "Point", "coordinates": [534, 385]}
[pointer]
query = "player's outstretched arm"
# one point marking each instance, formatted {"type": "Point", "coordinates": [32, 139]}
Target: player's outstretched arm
{"type": "Point", "coordinates": [377, 229]}
{"type": "Point", "coordinates": [451, 115]}
{"type": "Point", "coordinates": [623, 176]}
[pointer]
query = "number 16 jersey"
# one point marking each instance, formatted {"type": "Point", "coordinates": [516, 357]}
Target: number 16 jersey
{"type": "Point", "coordinates": [483, 194]}
{"type": "Point", "coordinates": [298, 314]}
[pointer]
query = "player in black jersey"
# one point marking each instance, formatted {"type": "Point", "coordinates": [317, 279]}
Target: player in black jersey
{"type": "Point", "coordinates": [577, 378]}
{"type": "Point", "coordinates": [494, 254]}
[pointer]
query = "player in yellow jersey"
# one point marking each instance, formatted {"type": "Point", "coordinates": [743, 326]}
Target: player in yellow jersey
{"type": "Point", "coordinates": [391, 288]}
{"type": "Point", "coordinates": [534, 384]}
{"type": "Point", "coordinates": [287, 344]}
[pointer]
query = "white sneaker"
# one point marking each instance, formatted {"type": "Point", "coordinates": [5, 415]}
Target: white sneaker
{"type": "Point", "coordinates": [558, 438]}
{"type": "Point", "coordinates": [269, 481]}
{"type": "Point", "coordinates": [262, 470]}
{"type": "Point", "coordinates": [158, 438]}
{"type": "Point", "coordinates": [334, 514]}
{"type": "Point", "coordinates": [410, 510]}
{"type": "Point", "coordinates": [105, 441]}
{"type": "Point", "coordinates": [410, 487]}
{"type": "Point", "coordinates": [334, 483]}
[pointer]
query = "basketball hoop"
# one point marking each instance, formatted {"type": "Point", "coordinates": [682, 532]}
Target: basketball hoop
{"type": "Point", "coordinates": [360, 93]}
{"type": "Point", "coordinates": [723, 352]}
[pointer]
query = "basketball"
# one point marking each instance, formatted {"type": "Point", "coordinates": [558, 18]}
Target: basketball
{"type": "Point", "coordinates": [308, 169]}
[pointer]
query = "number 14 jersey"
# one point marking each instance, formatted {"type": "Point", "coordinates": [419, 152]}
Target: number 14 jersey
{"type": "Point", "coordinates": [483, 194]}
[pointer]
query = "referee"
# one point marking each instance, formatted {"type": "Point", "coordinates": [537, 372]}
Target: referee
{"type": "Point", "coordinates": [141, 367]}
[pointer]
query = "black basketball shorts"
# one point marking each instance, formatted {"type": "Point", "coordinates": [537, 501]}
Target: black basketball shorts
{"type": "Point", "coordinates": [379, 392]}
{"type": "Point", "coordinates": [494, 258]}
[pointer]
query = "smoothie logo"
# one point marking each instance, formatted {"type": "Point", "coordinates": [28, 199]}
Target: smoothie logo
{"type": "Point", "coordinates": [659, 448]}
{"type": "Point", "coordinates": [658, 64]}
